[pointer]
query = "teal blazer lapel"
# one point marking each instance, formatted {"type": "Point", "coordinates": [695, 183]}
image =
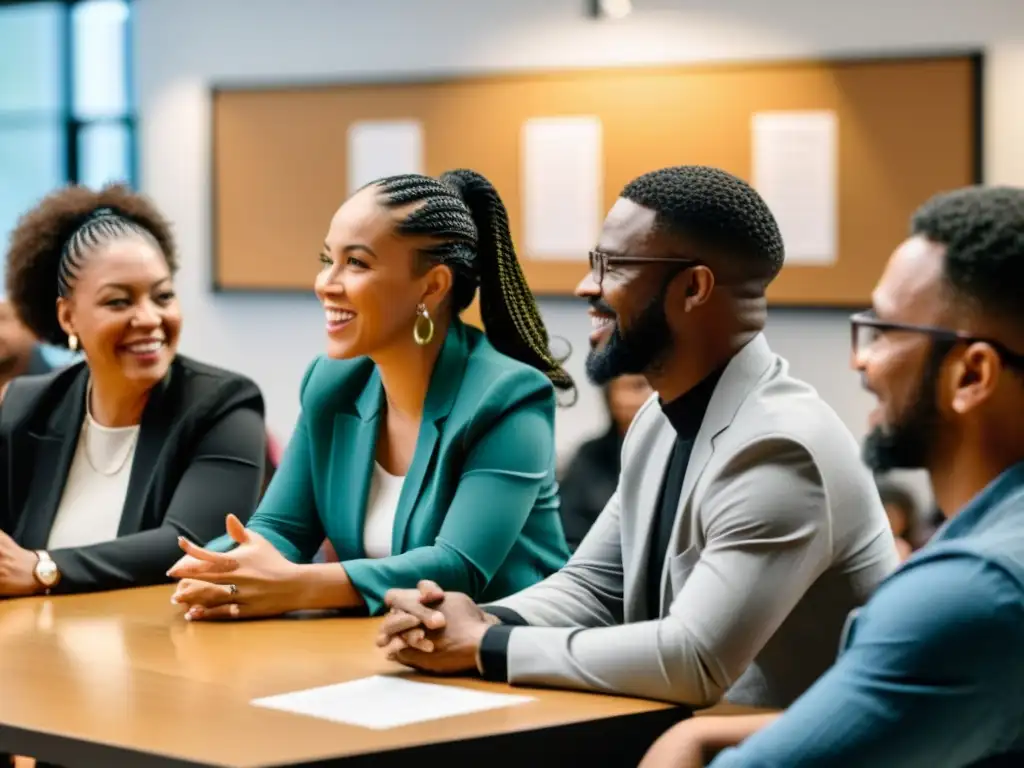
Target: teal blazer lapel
{"type": "Point", "coordinates": [444, 387]}
{"type": "Point", "coordinates": [353, 449]}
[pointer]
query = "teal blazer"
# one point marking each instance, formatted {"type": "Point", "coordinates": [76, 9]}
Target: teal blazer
{"type": "Point", "coordinates": [478, 511]}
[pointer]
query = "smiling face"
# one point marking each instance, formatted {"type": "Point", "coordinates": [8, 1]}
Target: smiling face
{"type": "Point", "coordinates": [125, 312]}
{"type": "Point", "coordinates": [369, 285]}
{"type": "Point", "coordinates": [631, 332]}
{"type": "Point", "coordinates": [903, 368]}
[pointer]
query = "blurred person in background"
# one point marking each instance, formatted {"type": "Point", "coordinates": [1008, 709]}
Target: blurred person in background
{"type": "Point", "coordinates": [902, 513]}
{"type": "Point", "coordinates": [593, 473]}
{"type": "Point", "coordinates": [272, 462]}
{"type": "Point", "coordinates": [20, 351]}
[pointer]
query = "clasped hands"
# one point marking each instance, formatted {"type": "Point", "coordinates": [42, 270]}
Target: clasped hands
{"type": "Point", "coordinates": [433, 630]}
{"type": "Point", "coordinates": [251, 581]}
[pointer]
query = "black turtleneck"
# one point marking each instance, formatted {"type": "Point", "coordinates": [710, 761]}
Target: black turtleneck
{"type": "Point", "coordinates": [685, 414]}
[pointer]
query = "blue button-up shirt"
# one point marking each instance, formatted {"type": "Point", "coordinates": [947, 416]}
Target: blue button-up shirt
{"type": "Point", "coordinates": [931, 673]}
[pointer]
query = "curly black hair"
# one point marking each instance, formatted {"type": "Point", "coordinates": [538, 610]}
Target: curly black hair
{"type": "Point", "coordinates": [716, 210]}
{"type": "Point", "coordinates": [51, 241]}
{"type": "Point", "coordinates": [982, 229]}
{"type": "Point", "coordinates": [465, 217]}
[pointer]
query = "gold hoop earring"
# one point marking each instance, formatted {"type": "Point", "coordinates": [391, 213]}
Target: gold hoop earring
{"type": "Point", "coordinates": [422, 337]}
{"type": "Point", "coordinates": [73, 342]}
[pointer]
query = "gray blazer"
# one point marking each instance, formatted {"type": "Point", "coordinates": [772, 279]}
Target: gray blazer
{"type": "Point", "coordinates": [779, 533]}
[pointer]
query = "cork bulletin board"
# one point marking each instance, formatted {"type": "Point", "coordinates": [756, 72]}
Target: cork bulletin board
{"type": "Point", "coordinates": [905, 129]}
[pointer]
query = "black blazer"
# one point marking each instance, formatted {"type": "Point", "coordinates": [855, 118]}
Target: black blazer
{"type": "Point", "coordinates": [200, 455]}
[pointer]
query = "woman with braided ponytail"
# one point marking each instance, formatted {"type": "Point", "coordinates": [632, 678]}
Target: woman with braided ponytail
{"type": "Point", "coordinates": [425, 449]}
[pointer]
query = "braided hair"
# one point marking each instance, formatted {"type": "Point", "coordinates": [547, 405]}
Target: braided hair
{"type": "Point", "coordinates": [467, 221]}
{"type": "Point", "coordinates": [52, 241]}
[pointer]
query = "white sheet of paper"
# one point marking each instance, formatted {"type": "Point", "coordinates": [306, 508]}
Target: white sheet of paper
{"type": "Point", "coordinates": [795, 168]}
{"type": "Point", "coordinates": [382, 702]}
{"type": "Point", "coordinates": [378, 148]}
{"type": "Point", "coordinates": [562, 180]}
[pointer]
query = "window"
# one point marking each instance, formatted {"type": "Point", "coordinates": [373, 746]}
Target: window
{"type": "Point", "coordinates": [100, 101]}
{"type": "Point", "coordinates": [66, 106]}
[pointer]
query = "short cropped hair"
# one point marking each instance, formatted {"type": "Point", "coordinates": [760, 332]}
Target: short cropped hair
{"type": "Point", "coordinates": [982, 229]}
{"type": "Point", "coordinates": [52, 240]}
{"type": "Point", "coordinates": [714, 209]}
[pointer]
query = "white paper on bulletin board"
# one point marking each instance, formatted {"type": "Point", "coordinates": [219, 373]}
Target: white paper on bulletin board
{"type": "Point", "coordinates": [562, 186]}
{"type": "Point", "coordinates": [378, 148]}
{"type": "Point", "coordinates": [795, 169]}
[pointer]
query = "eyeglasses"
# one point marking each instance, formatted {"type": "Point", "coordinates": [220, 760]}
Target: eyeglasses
{"type": "Point", "coordinates": [601, 261]}
{"type": "Point", "coordinates": [866, 327]}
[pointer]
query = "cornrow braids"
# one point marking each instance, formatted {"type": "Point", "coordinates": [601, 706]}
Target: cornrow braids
{"type": "Point", "coordinates": [100, 227]}
{"type": "Point", "coordinates": [466, 216]}
{"type": "Point", "coordinates": [444, 217]}
{"type": "Point", "coordinates": [51, 243]}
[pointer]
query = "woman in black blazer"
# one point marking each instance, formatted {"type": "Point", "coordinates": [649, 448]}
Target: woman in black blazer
{"type": "Point", "coordinates": [104, 464]}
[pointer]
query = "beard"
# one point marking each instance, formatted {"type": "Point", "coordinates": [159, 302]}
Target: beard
{"type": "Point", "coordinates": [640, 351]}
{"type": "Point", "coordinates": [908, 444]}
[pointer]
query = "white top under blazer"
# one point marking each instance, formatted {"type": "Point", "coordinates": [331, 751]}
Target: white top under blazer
{"type": "Point", "coordinates": [97, 483]}
{"type": "Point", "coordinates": [381, 505]}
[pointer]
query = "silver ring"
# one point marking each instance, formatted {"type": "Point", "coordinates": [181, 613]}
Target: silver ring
{"type": "Point", "coordinates": [232, 590]}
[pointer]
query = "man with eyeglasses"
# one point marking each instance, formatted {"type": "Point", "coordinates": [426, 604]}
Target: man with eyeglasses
{"type": "Point", "coordinates": [743, 528]}
{"type": "Point", "coordinates": [932, 669]}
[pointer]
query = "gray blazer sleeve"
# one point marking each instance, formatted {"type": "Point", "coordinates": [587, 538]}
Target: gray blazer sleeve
{"type": "Point", "coordinates": [588, 590]}
{"type": "Point", "coordinates": [768, 537]}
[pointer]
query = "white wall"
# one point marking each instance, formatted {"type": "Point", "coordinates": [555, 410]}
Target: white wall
{"type": "Point", "coordinates": [1004, 110]}
{"type": "Point", "coordinates": [183, 46]}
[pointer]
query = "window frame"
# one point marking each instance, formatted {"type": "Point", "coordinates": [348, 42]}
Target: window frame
{"type": "Point", "coordinates": [72, 126]}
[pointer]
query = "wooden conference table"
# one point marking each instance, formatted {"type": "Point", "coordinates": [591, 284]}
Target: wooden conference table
{"type": "Point", "coordinates": [120, 679]}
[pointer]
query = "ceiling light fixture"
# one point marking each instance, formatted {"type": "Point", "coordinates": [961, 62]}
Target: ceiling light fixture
{"type": "Point", "coordinates": [609, 9]}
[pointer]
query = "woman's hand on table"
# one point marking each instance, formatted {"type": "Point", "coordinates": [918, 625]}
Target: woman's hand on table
{"type": "Point", "coordinates": [254, 580]}
{"type": "Point", "coordinates": [17, 569]}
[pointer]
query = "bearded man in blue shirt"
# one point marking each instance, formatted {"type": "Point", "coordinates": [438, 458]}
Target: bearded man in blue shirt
{"type": "Point", "coordinates": [931, 670]}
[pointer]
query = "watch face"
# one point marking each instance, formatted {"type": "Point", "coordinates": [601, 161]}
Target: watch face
{"type": "Point", "coordinates": [46, 572]}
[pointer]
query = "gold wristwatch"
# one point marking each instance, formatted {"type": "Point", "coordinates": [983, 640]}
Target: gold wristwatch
{"type": "Point", "coordinates": [46, 571]}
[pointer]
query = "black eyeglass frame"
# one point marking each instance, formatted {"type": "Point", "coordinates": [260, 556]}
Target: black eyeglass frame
{"type": "Point", "coordinates": [869, 320]}
{"type": "Point", "coordinates": [600, 261]}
